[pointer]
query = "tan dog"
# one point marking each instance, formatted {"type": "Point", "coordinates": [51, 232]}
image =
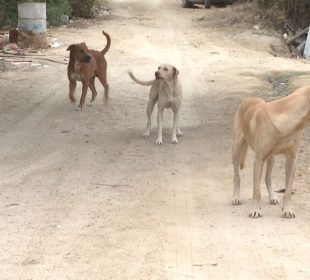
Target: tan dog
{"type": "Point", "coordinates": [270, 128]}
{"type": "Point", "coordinates": [167, 91]}
{"type": "Point", "coordinates": [85, 65]}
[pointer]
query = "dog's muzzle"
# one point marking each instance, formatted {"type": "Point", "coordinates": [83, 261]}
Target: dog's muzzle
{"type": "Point", "coordinates": [157, 75]}
{"type": "Point", "coordinates": [86, 58]}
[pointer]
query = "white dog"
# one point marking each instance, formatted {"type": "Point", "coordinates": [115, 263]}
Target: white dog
{"type": "Point", "coordinates": [167, 90]}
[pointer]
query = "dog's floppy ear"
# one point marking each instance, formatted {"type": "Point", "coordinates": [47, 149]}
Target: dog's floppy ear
{"type": "Point", "coordinates": [71, 47]}
{"type": "Point", "coordinates": [175, 72]}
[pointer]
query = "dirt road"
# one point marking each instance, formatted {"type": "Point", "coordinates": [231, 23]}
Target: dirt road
{"type": "Point", "coordinates": [84, 196]}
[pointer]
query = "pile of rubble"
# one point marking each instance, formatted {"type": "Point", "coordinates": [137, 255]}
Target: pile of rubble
{"type": "Point", "coordinates": [299, 44]}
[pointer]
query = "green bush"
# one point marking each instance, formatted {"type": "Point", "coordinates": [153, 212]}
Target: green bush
{"type": "Point", "coordinates": [55, 9]}
{"type": "Point", "coordinates": [83, 8]}
{"type": "Point", "coordinates": [296, 12]}
{"type": "Point", "coordinates": [8, 12]}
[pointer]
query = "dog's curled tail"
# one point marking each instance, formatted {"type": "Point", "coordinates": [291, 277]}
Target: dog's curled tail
{"type": "Point", "coordinates": [243, 154]}
{"type": "Point", "coordinates": [143, 83]}
{"type": "Point", "coordinates": [107, 47]}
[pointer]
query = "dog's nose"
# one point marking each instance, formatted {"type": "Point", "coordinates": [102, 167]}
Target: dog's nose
{"type": "Point", "coordinates": [157, 75]}
{"type": "Point", "coordinates": [88, 57]}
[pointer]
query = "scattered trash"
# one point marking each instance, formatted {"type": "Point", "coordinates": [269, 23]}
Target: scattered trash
{"type": "Point", "coordinates": [307, 46]}
{"type": "Point", "coordinates": [3, 39]}
{"type": "Point", "coordinates": [55, 44]}
{"type": "Point", "coordinates": [13, 36]}
{"type": "Point", "coordinates": [102, 12]}
{"type": "Point", "coordinates": [12, 204]}
{"type": "Point", "coordinates": [216, 53]}
{"type": "Point", "coordinates": [297, 43]}
{"type": "Point", "coordinates": [8, 48]}
{"type": "Point", "coordinates": [36, 65]}
{"type": "Point", "coordinates": [65, 19]}
{"type": "Point", "coordinates": [6, 38]}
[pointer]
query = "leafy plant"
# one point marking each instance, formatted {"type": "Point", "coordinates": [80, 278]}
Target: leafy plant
{"type": "Point", "coordinates": [83, 8]}
{"type": "Point", "coordinates": [8, 12]}
{"type": "Point", "coordinates": [55, 11]}
{"type": "Point", "coordinates": [280, 11]}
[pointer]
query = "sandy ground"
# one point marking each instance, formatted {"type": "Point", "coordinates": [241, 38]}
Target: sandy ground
{"type": "Point", "coordinates": [84, 196]}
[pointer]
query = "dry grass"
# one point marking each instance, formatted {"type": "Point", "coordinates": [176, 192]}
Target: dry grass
{"type": "Point", "coordinates": [296, 13]}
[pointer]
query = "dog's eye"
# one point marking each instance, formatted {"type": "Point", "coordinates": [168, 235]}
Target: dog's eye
{"type": "Point", "coordinates": [81, 51]}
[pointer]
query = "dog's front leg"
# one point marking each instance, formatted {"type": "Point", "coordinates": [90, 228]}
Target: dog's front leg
{"type": "Point", "coordinates": [149, 111]}
{"type": "Point", "coordinates": [72, 86]}
{"type": "Point", "coordinates": [84, 92]}
{"type": "Point", "coordinates": [256, 201]}
{"type": "Point", "coordinates": [93, 90]}
{"type": "Point", "coordinates": [290, 168]}
{"type": "Point", "coordinates": [160, 115]}
{"type": "Point", "coordinates": [273, 198]}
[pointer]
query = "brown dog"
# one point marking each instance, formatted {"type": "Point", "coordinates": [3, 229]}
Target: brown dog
{"type": "Point", "coordinates": [85, 65]}
{"type": "Point", "coordinates": [270, 128]}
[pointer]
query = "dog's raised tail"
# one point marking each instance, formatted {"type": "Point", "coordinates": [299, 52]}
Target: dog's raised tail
{"type": "Point", "coordinates": [107, 47]}
{"type": "Point", "coordinates": [243, 154]}
{"type": "Point", "coordinates": [143, 83]}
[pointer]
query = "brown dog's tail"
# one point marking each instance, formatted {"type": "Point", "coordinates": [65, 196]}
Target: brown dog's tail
{"type": "Point", "coordinates": [243, 154]}
{"type": "Point", "coordinates": [143, 83]}
{"type": "Point", "coordinates": [105, 50]}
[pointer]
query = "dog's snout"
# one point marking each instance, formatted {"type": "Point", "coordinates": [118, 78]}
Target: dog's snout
{"type": "Point", "coordinates": [87, 58]}
{"type": "Point", "coordinates": [157, 75]}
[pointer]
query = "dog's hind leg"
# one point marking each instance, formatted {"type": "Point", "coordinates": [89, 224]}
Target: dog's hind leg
{"type": "Point", "coordinates": [272, 196]}
{"type": "Point", "coordinates": [239, 151]}
{"type": "Point", "coordinates": [103, 80]}
{"type": "Point", "coordinates": [72, 86]}
{"type": "Point", "coordinates": [238, 146]}
{"type": "Point", "coordinates": [176, 117]}
{"type": "Point", "coordinates": [179, 132]}
{"type": "Point", "coordinates": [160, 116]}
{"type": "Point", "coordinates": [93, 90]}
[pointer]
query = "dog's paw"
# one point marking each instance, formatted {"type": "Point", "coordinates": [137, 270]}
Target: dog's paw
{"type": "Point", "coordinates": [72, 99]}
{"type": "Point", "coordinates": [255, 213]}
{"type": "Point", "coordinates": [79, 109]}
{"type": "Point", "coordinates": [146, 134]}
{"type": "Point", "coordinates": [288, 214]}
{"type": "Point", "coordinates": [180, 133]}
{"type": "Point", "coordinates": [174, 140]}
{"type": "Point", "coordinates": [106, 101]}
{"type": "Point", "coordinates": [236, 201]}
{"type": "Point", "coordinates": [91, 104]}
{"type": "Point", "coordinates": [159, 141]}
{"type": "Point", "coordinates": [274, 200]}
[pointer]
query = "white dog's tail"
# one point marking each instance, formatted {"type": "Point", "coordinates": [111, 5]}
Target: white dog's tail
{"type": "Point", "coordinates": [243, 154]}
{"type": "Point", "coordinates": [143, 83]}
